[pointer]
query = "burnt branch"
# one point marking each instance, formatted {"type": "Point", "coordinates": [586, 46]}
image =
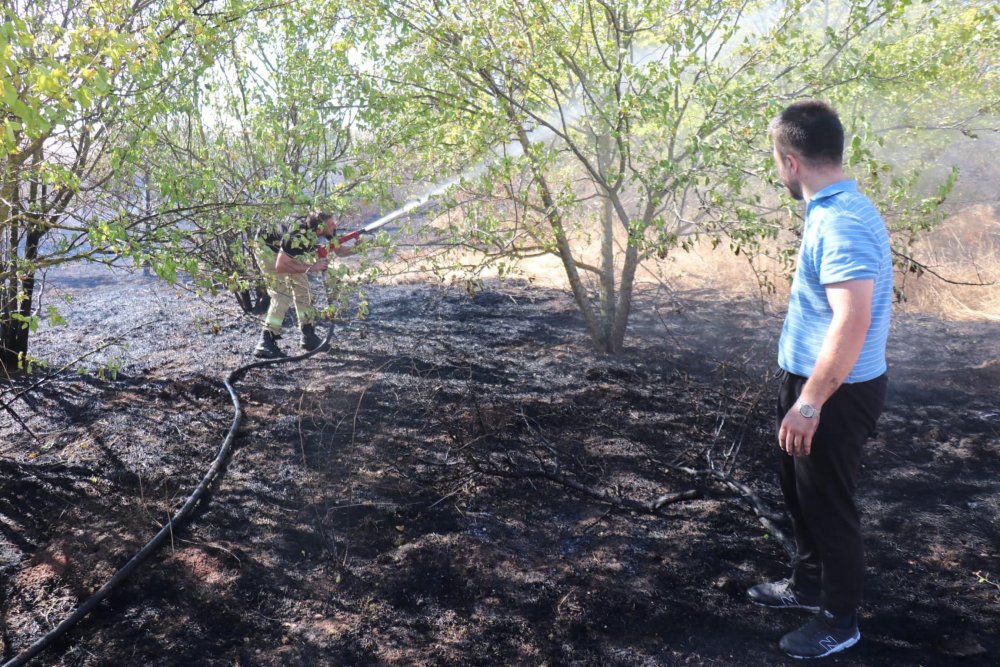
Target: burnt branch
{"type": "Point", "coordinates": [618, 500]}
{"type": "Point", "coordinates": [765, 515]}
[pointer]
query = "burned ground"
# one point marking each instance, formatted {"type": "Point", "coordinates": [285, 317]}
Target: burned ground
{"type": "Point", "coordinates": [461, 481]}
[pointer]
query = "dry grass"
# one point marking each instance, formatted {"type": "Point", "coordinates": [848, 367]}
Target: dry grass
{"type": "Point", "coordinates": [964, 252]}
{"type": "Point", "coordinates": [718, 269]}
{"type": "Point", "coordinates": [700, 268]}
{"type": "Point", "coordinates": [965, 249]}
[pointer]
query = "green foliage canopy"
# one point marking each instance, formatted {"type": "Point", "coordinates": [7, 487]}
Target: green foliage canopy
{"type": "Point", "coordinates": [652, 114]}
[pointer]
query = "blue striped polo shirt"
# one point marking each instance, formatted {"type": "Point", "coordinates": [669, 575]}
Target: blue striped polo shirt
{"type": "Point", "coordinates": [843, 238]}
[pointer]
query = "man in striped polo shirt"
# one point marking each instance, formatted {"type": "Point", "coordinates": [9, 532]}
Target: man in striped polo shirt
{"type": "Point", "coordinates": [832, 357]}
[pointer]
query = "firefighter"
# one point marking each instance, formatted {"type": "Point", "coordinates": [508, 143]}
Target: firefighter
{"type": "Point", "coordinates": [287, 255]}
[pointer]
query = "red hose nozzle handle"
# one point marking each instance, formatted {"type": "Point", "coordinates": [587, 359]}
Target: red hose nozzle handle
{"type": "Point", "coordinates": [349, 236]}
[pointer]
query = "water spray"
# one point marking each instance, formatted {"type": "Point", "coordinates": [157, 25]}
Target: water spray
{"type": "Point", "coordinates": [412, 205]}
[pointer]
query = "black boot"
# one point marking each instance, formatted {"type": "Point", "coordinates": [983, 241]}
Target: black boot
{"type": "Point", "coordinates": [310, 341]}
{"type": "Point", "coordinates": [268, 348]}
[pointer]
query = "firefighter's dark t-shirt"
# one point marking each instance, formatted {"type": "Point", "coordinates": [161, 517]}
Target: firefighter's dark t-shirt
{"type": "Point", "coordinates": [295, 238]}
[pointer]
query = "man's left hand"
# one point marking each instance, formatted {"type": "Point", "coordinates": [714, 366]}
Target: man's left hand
{"type": "Point", "coordinates": [796, 433]}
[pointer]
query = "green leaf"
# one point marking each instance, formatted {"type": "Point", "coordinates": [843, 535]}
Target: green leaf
{"type": "Point", "coordinates": [54, 317]}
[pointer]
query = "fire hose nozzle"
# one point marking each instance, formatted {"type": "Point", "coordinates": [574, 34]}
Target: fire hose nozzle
{"type": "Point", "coordinates": [350, 236]}
{"type": "Point", "coordinates": [324, 249]}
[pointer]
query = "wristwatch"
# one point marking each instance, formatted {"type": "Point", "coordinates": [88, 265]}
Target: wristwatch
{"type": "Point", "coordinates": [807, 410]}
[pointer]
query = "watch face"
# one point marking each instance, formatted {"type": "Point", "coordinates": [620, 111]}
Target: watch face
{"type": "Point", "coordinates": [807, 411]}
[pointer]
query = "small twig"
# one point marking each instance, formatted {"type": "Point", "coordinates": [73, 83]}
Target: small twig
{"type": "Point", "coordinates": [927, 269]}
{"type": "Point", "coordinates": [108, 343]}
{"type": "Point", "coordinates": [671, 498]}
{"type": "Point", "coordinates": [20, 421]}
{"type": "Point", "coordinates": [212, 545]}
{"type": "Point", "coordinates": [766, 517]}
{"type": "Point", "coordinates": [453, 493]}
{"type": "Point", "coordinates": [620, 501]}
{"type": "Point", "coordinates": [984, 578]}
{"type": "Point", "coordinates": [596, 521]}
{"type": "Point", "coordinates": [357, 407]}
{"type": "Point", "coordinates": [298, 426]}
{"type": "Point", "coordinates": [370, 505]}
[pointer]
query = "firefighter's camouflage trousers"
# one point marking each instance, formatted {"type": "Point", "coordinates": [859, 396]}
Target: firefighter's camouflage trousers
{"type": "Point", "coordinates": [284, 290]}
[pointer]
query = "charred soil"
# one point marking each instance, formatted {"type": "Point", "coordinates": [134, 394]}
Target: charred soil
{"type": "Point", "coordinates": [462, 481]}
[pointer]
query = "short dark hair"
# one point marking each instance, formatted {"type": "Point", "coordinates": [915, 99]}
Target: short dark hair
{"type": "Point", "coordinates": [812, 130]}
{"type": "Point", "coordinates": [317, 219]}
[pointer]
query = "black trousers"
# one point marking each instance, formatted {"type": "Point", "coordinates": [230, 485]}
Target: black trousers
{"type": "Point", "coordinates": [819, 492]}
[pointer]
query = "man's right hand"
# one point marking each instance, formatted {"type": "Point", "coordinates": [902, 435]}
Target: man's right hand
{"type": "Point", "coordinates": [319, 265]}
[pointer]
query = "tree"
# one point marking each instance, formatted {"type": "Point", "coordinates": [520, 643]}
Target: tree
{"type": "Point", "coordinates": [262, 136]}
{"type": "Point", "coordinates": [648, 116]}
{"type": "Point", "coordinates": [80, 83]}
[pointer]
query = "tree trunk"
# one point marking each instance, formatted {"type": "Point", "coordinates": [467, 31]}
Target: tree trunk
{"type": "Point", "coordinates": [627, 282]}
{"type": "Point", "coordinates": [17, 272]}
{"type": "Point", "coordinates": [26, 285]}
{"type": "Point", "coordinates": [10, 239]}
{"type": "Point", "coordinates": [13, 335]}
{"type": "Point", "coordinates": [625, 286]}
{"type": "Point", "coordinates": [253, 301]}
{"type": "Point", "coordinates": [592, 322]}
{"type": "Point", "coordinates": [608, 306]}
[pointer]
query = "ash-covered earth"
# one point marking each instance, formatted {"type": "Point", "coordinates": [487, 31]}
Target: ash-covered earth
{"type": "Point", "coordinates": [462, 481]}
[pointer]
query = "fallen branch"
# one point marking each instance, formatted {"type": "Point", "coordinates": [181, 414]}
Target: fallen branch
{"type": "Point", "coordinates": [621, 501]}
{"type": "Point", "coordinates": [766, 516]}
{"type": "Point", "coordinates": [7, 408]}
{"type": "Point", "coordinates": [47, 378]}
{"type": "Point", "coordinates": [918, 267]}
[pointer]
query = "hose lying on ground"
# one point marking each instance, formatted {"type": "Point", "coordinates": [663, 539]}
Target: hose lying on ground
{"type": "Point", "coordinates": [175, 521]}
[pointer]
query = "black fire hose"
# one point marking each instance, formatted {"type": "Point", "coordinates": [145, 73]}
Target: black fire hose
{"type": "Point", "coordinates": [175, 521]}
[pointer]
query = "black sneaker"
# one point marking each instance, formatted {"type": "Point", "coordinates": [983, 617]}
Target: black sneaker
{"type": "Point", "coordinates": [821, 637]}
{"type": "Point", "coordinates": [780, 595]}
